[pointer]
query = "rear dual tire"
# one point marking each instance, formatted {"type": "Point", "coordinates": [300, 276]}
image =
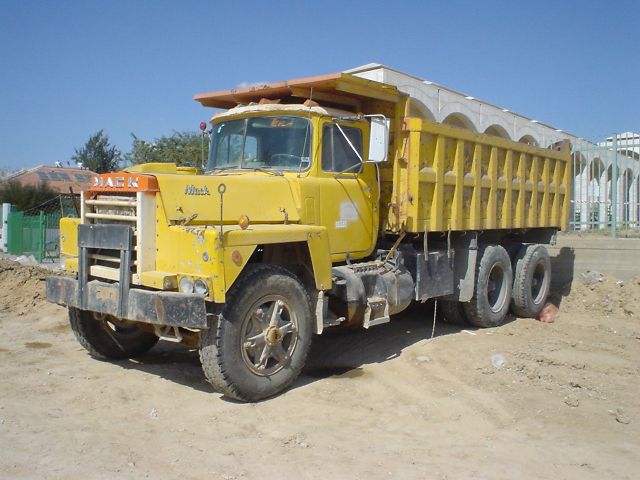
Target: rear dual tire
{"type": "Point", "coordinates": [532, 280]}
{"type": "Point", "coordinates": [489, 305]}
{"type": "Point", "coordinates": [522, 285]}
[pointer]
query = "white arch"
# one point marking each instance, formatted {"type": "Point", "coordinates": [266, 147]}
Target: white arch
{"type": "Point", "coordinates": [497, 131]}
{"type": "Point", "coordinates": [419, 110]}
{"type": "Point", "coordinates": [580, 163]}
{"type": "Point", "coordinates": [459, 120]}
{"type": "Point", "coordinates": [529, 140]}
{"type": "Point", "coordinates": [467, 112]}
{"type": "Point", "coordinates": [526, 132]}
{"type": "Point", "coordinates": [595, 169]}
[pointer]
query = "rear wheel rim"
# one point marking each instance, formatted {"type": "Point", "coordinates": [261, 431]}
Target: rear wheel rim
{"type": "Point", "coordinates": [496, 288]}
{"type": "Point", "coordinates": [539, 280]}
{"type": "Point", "coordinates": [269, 335]}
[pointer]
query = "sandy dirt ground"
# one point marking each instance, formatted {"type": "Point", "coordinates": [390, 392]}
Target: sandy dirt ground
{"type": "Point", "coordinates": [526, 400]}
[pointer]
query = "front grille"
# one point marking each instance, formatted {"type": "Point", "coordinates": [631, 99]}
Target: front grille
{"type": "Point", "coordinates": [112, 209]}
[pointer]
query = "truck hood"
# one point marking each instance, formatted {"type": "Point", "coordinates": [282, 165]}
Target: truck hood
{"type": "Point", "coordinates": [264, 198]}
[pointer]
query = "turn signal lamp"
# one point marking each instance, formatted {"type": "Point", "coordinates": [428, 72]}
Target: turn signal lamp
{"type": "Point", "coordinates": [243, 222]}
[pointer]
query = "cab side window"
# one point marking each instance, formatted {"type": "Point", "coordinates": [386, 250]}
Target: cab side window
{"type": "Point", "coordinates": [337, 154]}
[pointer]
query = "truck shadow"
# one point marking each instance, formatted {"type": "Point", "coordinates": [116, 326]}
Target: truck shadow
{"type": "Point", "coordinates": [344, 353]}
{"type": "Point", "coordinates": [172, 362]}
{"type": "Point", "coordinates": [563, 272]}
{"type": "Point", "coordinates": [335, 353]}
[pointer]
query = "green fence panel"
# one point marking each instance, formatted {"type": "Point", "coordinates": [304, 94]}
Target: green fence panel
{"type": "Point", "coordinates": [33, 234]}
{"type": "Point", "coordinates": [37, 231]}
{"type": "Point", "coordinates": [27, 234]}
{"type": "Point", "coordinates": [14, 232]}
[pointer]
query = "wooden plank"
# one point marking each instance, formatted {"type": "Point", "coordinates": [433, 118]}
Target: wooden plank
{"type": "Point", "coordinates": [221, 98]}
{"type": "Point", "coordinates": [367, 91]}
{"type": "Point", "coordinates": [314, 94]}
{"type": "Point", "coordinates": [335, 83]}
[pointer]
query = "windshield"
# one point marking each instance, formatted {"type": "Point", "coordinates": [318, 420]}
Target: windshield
{"type": "Point", "coordinates": [274, 142]}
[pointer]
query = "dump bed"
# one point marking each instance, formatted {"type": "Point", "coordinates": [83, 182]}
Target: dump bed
{"type": "Point", "coordinates": [447, 178]}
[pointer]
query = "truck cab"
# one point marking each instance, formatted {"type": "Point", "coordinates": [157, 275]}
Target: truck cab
{"type": "Point", "coordinates": [317, 156]}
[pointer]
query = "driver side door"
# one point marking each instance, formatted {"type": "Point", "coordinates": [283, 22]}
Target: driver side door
{"type": "Point", "coordinates": [348, 191]}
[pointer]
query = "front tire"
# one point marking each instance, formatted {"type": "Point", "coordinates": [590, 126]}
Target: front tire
{"type": "Point", "coordinates": [260, 342]}
{"type": "Point", "coordinates": [492, 296]}
{"type": "Point", "coordinates": [106, 337]}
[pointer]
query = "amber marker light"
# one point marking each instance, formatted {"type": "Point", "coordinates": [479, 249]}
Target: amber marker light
{"type": "Point", "coordinates": [243, 222]}
{"type": "Point", "coordinates": [236, 257]}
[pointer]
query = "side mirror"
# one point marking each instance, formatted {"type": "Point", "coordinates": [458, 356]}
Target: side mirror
{"type": "Point", "coordinates": [378, 139]}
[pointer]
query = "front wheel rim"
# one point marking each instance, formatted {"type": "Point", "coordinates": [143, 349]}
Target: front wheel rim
{"type": "Point", "coordinates": [269, 335]}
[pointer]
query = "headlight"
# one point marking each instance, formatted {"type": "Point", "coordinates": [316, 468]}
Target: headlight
{"type": "Point", "coordinates": [201, 288]}
{"type": "Point", "coordinates": [185, 285]}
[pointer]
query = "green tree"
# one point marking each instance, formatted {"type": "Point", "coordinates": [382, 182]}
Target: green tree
{"type": "Point", "coordinates": [181, 148]}
{"type": "Point", "coordinates": [25, 197]}
{"type": "Point", "coordinates": [98, 154]}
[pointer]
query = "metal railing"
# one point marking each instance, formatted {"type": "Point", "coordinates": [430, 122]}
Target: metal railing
{"type": "Point", "coordinates": [606, 187]}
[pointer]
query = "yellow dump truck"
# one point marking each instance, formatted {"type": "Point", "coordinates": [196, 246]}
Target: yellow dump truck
{"type": "Point", "coordinates": [322, 204]}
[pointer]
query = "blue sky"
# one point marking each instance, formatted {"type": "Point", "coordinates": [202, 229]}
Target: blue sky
{"type": "Point", "coordinates": [70, 68]}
